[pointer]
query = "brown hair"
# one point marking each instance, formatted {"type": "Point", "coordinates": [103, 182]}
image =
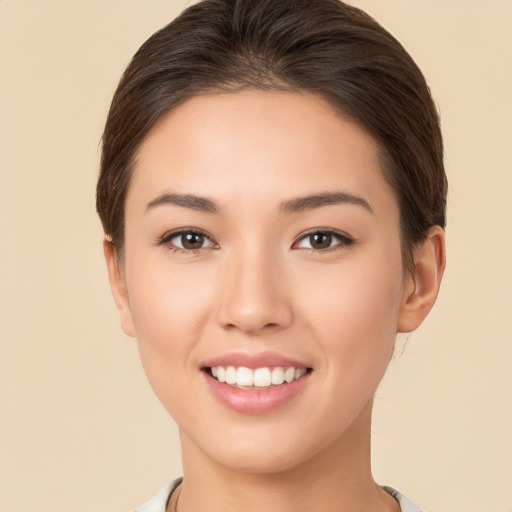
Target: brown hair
{"type": "Point", "coordinates": [323, 47]}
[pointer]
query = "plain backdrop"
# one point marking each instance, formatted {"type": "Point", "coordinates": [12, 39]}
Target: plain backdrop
{"type": "Point", "coordinates": [80, 429]}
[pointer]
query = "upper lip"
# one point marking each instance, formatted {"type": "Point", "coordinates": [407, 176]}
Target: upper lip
{"type": "Point", "coordinates": [253, 361]}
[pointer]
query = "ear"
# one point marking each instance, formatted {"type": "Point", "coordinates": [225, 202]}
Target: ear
{"type": "Point", "coordinates": [118, 287]}
{"type": "Point", "coordinates": [422, 284]}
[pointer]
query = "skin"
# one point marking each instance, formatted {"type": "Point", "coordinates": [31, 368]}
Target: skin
{"type": "Point", "coordinates": [258, 284]}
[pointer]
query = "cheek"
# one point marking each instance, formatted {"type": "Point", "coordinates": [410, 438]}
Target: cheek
{"type": "Point", "coordinates": [353, 309]}
{"type": "Point", "coordinates": [168, 300]}
{"type": "Point", "coordinates": [169, 308]}
{"type": "Point", "coordinates": [354, 323]}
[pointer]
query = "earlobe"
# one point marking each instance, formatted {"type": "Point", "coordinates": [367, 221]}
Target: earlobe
{"type": "Point", "coordinates": [422, 284]}
{"type": "Point", "coordinates": [118, 287]}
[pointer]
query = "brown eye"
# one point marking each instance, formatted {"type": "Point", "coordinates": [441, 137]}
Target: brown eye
{"type": "Point", "coordinates": [192, 240]}
{"type": "Point", "coordinates": [323, 240]}
{"type": "Point", "coordinates": [187, 240]}
{"type": "Point", "coordinates": [320, 240]}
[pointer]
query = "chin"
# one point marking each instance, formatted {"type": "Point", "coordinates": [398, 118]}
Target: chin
{"type": "Point", "coordinates": [263, 452]}
{"type": "Point", "coordinates": [258, 463]}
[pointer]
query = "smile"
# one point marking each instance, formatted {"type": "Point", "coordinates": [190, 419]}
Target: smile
{"type": "Point", "coordinates": [246, 378]}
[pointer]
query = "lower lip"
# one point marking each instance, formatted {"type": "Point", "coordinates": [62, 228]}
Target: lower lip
{"type": "Point", "coordinates": [255, 401]}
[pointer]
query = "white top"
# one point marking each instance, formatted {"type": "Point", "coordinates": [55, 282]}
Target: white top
{"type": "Point", "coordinates": [158, 502]}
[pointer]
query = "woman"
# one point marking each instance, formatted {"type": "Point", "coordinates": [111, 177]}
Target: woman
{"type": "Point", "coordinates": [273, 196]}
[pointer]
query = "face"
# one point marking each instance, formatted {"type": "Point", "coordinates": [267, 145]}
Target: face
{"type": "Point", "coordinates": [262, 247]}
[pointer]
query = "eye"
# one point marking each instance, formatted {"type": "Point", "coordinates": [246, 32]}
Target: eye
{"type": "Point", "coordinates": [187, 240]}
{"type": "Point", "coordinates": [323, 240]}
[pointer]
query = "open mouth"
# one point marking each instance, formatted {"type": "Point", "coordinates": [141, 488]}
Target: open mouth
{"type": "Point", "coordinates": [258, 378]}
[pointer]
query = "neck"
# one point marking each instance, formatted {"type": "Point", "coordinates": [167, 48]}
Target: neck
{"type": "Point", "coordinates": [335, 479]}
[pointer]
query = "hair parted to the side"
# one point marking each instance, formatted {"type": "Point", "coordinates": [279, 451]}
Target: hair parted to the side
{"type": "Point", "coordinates": [324, 47]}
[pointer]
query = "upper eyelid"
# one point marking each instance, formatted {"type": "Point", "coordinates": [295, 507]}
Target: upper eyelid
{"type": "Point", "coordinates": [169, 235]}
{"type": "Point", "coordinates": [179, 231]}
{"type": "Point", "coordinates": [329, 231]}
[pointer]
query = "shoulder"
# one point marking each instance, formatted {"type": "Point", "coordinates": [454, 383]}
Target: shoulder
{"type": "Point", "coordinates": [405, 504]}
{"type": "Point", "coordinates": [158, 502]}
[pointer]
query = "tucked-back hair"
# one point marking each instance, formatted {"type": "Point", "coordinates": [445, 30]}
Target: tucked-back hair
{"type": "Point", "coordinates": [323, 47]}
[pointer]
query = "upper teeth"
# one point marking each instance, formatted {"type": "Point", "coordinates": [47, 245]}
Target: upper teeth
{"type": "Point", "coordinates": [259, 377]}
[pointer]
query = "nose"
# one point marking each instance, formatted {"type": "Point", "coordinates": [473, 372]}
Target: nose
{"type": "Point", "coordinates": [255, 297]}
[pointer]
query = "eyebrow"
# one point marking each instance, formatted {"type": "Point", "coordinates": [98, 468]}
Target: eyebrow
{"type": "Point", "coordinates": [305, 203]}
{"type": "Point", "coordinates": [201, 204]}
{"type": "Point", "coordinates": [296, 205]}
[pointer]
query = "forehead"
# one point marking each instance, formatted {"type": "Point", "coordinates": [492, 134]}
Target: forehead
{"type": "Point", "coordinates": [251, 143]}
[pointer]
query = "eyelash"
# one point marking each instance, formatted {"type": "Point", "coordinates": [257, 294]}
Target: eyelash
{"type": "Point", "coordinates": [168, 237]}
{"type": "Point", "coordinates": [343, 240]}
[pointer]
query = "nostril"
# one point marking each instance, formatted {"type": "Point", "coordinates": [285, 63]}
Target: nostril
{"type": "Point", "coordinates": [252, 313]}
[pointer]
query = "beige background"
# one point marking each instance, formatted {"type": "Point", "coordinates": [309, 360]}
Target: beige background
{"type": "Point", "coordinates": [80, 429]}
